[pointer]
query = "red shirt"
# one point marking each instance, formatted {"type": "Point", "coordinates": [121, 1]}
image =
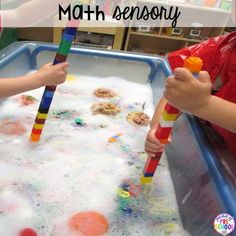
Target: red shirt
{"type": "Point", "coordinates": [219, 59]}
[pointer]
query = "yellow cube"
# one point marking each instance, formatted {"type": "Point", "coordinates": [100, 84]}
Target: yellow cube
{"type": "Point", "coordinates": [169, 117]}
{"type": "Point", "coordinates": [38, 126]}
{"type": "Point", "coordinates": [42, 116]}
{"type": "Point", "coordinates": [146, 180]}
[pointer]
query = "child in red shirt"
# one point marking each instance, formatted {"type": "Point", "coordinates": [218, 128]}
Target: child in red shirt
{"type": "Point", "coordinates": [188, 94]}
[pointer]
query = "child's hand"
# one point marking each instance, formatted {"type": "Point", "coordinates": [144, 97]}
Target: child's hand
{"type": "Point", "coordinates": [152, 144]}
{"type": "Point", "coordinates": [51, 75]}
{"type": "Point", "coordinates": [186, 92]}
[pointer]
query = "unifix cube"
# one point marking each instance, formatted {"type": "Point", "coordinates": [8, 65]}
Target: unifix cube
{"type": "Point", "coordinates": [146, 180]}
{"type": "Point", "coordinates": [171, 110]}
{"type": "Point", "coordinates": [36, 131]}
{"type": "Point", "coordinates": [151, 166]}
{"type": "Point", "coordinates": [169, 117]}
{"type": "Point", "coordinates": [34, 137]}
{"type": "Point", "coordinates": [163, 133]}
{"type": "Point", "coordinates": [42, 115]}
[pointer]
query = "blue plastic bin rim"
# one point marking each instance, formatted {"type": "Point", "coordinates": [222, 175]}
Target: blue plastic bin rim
{"type": "Point", "coordinates": [155, 62]}
{"type": "Point", "coordinates": [34, 48]}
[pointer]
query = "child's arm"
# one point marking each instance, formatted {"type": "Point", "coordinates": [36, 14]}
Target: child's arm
{"type": "Point", "coordinates": [158, 112]}
{"type": "Point", "coordinates": [194, 96]}
{"type": "Point", "coordinates": [30, 13]}
{"type": "Point", "coordinates": [219, 112]}
{"type": "Point", "coordinates": [152, 144]}
{"type": "Point", "coordinates": [46, 75]}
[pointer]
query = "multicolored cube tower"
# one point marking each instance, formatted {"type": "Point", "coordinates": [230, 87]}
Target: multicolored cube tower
{"type": "Point", "coordinates": [164, 129]}
{"type": "Point", "coordinates": [61, 56]}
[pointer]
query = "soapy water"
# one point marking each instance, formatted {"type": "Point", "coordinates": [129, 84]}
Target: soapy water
{"type": "Point", "coordinates": [74, 168]}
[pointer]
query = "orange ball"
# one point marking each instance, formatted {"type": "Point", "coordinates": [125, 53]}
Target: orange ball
{"type": "Point", "coordinates": [89, 223]}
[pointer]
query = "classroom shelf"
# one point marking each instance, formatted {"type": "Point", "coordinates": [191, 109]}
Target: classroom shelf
{"type": "Point", "coordinates": [160, 38]}
{"type": "Point", "coordinates": [165, 37]}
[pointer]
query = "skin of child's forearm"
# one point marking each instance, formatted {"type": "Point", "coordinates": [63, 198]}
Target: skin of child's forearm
{"type": "Point", "coordinates": [219, 112]}
{"type": "Point", "coordinates": [13, 86]}
{"type": "Point", "coordinates": [26, 14]}
{"type": "Point", "coordinates": [157, 115]}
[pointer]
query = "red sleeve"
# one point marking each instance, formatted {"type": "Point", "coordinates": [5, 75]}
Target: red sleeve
{"type": "Point", "coordinates": [213, 52]}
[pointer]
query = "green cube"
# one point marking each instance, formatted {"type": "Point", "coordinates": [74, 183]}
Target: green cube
{"type": "Point", "coordinates": [64, 48]}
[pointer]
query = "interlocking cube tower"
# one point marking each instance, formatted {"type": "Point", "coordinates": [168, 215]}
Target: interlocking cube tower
{"type": "Point", "coordinates": [61, 56]}
{"type": "Point", "coordinates": [164, 129]}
